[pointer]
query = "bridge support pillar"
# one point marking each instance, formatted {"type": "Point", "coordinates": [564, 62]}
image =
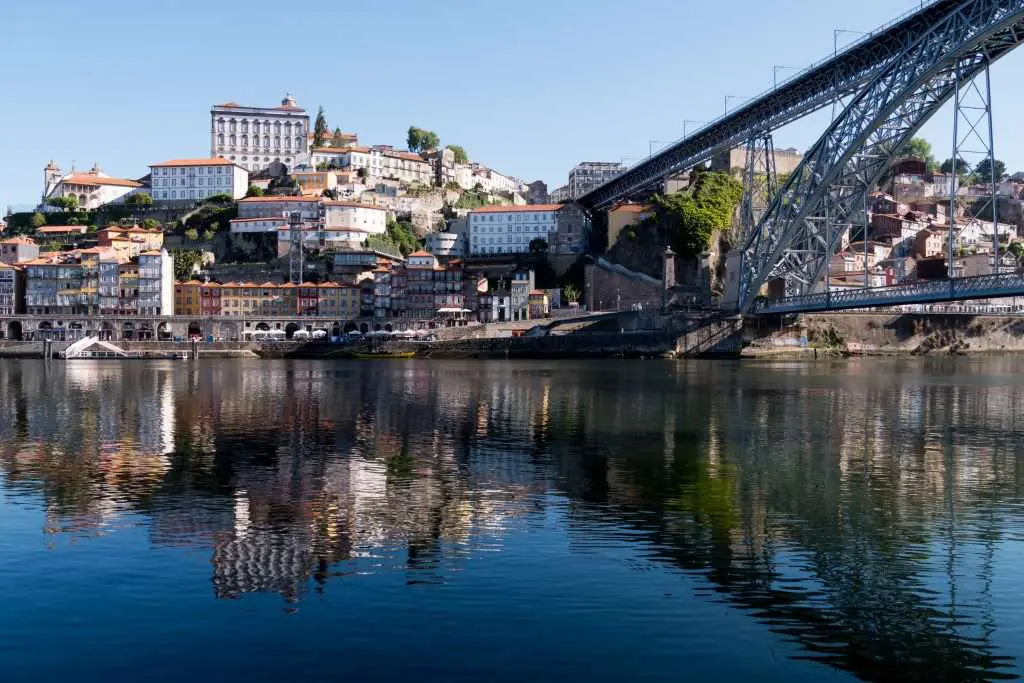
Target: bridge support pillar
{"type": "Point", "coordinates": [760, 182]}
{"type": "Point", "coordinates": [973, 150]}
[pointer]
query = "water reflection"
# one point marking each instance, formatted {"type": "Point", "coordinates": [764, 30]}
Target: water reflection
{"type": "Point", "coordinates": [866, 511]}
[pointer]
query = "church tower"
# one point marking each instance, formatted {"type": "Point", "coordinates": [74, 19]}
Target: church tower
{"type": "Point", "coordinates": [51, 176]}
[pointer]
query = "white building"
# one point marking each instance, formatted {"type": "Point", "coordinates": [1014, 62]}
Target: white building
{"type": "Point", "coordinates": [377, 162]}
{"type": "Point", "coordinates": [445, 244]}
{"type": "Point", "coordinates": [587, 175]}
{"type": "Point", "coordinates": [194, 179]}
{"type": "Point", "coordinates": [156, 283]}
{"type": "Point", "coordinates": [92, 188]}
{"type": "Point", "coordinates": [510, 229]}
{"type": "Point", "coordinates": [468, 176]}
{"type": "Point", "coordinates": [559, 195]}
{"type": "Point", "coordinates": [255, 137]}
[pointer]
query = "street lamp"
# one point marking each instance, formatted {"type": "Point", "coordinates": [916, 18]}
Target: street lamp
{"type": "Point", "coordinates": [650, 146]}
{"type": "Point", "coordinates": [776, 68]}
{"type": "Point", "coordinates": [731, 97]}
{"type": "Point", "coordinates": [835, 38]}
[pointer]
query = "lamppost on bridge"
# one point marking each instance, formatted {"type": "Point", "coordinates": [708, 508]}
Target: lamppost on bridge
{"type": "Point", "coordinates": [686, 122]}
{"type": "Point", "coordinates": [650, 146]}
{"type": "Point", "coordinates": [776, 68]}
{"type": "Point", "coordinates": [839, 31]}
{"type": "Point", "coordinates": [732, 97]}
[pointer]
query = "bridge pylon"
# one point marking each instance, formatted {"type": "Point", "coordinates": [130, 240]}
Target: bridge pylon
{"type": "Point", "coordinates": [760, 182]}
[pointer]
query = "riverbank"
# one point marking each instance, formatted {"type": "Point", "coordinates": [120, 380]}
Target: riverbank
{"type": "Point", "coordinates": [883, 334]}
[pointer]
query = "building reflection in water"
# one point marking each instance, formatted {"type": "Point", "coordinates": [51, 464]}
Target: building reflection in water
{"type": "Point", "coordinates": [858, 513]}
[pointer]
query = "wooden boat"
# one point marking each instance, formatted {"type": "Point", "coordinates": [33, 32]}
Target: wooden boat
{"type": "Point", "coordinates": [382, 355]}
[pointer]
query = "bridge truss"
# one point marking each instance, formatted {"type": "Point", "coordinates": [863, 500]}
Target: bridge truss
{"type": "Point", "coordinates": [827, 193]}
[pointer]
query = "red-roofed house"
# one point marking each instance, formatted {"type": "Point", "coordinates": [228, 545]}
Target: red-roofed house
{"type": "Point", "coordinates": [92, 189]}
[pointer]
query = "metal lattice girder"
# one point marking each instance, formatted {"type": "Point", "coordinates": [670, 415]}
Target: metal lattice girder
{"type": "Point", "coordinates": [760, 182]}
{"type": "Point", "coordinates": [849, 159]}
{"type": "Point", "coordinates": [818, 87]}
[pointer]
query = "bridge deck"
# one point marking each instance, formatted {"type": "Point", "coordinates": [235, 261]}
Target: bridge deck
{"type": "Point", "coordinates": [934, 291]}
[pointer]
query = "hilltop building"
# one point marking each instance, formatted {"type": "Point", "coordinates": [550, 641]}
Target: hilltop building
{"type": "Point", "coordinates": [256, 137]}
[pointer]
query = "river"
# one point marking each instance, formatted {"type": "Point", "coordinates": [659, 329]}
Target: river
{"type": "Point", "coordinates": [511, 521]}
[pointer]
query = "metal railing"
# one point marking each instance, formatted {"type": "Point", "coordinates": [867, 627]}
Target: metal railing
{"type": "Point", "coordinates": [932, 291]}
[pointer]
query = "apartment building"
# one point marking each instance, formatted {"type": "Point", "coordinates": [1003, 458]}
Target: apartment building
{"type": "Point", "coordinates": [256, 137]}
{"type": "Point", "coordinates": [510, 229]}
{"type": "Point", "coordinates": [196, 179]}
{"type": "Point", "coordinates": [12, 290]}
{"type": "Point", "coordinates": [14, 250]}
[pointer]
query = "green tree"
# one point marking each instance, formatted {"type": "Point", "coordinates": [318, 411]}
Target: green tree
{"type": "Point", "coordinates": [185, 262]}
{"type": "Point", "coordinates": [419, 140]}
{"type": "Point", "coordinates": [38, 220]}
{"type": "Point", "coordinates": [68, 203]}
{"type": "Point", "coordinates": [320, 129]}
{"type": "Point", "coordinates": [571, 293]}
{"type": "Point", "coordinates": [223, 198]}
{"type": "Point", "coordinates": [687, 219]}
{"type": "Point", "coordinates": [402, 235]}
{"type": "Point", "coordinates": [338, 140]}
{"type": "Point", "coordinates": [151, 224]}
{"type": "Point", "coordinates": [254, 191]}
{"type": "Point", "coordinates": [921, 149]}
{"type": "Point", "coordinates": [539, 246]}
{"type": "Point", "coordinates": [192, 234]}
{"type": "Point", "coordinates": [139, 199]}
{"type": "Point", "coordinates": [460, 154]}
{"type": "Point", "coordinates": [962, 168]}
{"type": "Point", "coordinates": [984, 171]}
{"type": "Point", "coordinates": [208, 235]}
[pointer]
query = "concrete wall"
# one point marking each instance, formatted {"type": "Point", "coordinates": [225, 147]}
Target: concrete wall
{"type": "Point", "coordinates": [607, 290]}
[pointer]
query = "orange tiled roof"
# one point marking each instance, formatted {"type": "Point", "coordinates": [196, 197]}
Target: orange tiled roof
{"type": "Point", "coordinates": [210, 161]}
{"type": "Point", "coordinates": [420, 253]}
{"type": "Point", "coordinates": [20, 239]}
{"type": "Point", "coordinates": [279, 198]}
{"type": "Point", "coordinates": [58, 229]}
{"type": "Point", "coordinates": [93, 179]}
{"type": "Point", "coordinates": [632, 208]}
{"type": "Point", "coordinates": [511, 209]}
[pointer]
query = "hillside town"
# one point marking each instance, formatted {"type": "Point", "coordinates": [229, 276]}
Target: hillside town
{"type": "Point", "coordinates": [291, 227]}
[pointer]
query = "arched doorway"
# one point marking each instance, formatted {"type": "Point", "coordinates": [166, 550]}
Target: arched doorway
{"type": "Point", "coordinates": [195, 330]}
{"type": "Point", "coordinates": [350, 327]}
{"type": "Point", "coordinates": [388, 328]}
{"type": "Point", "coordinates": [106, 332]}
{"type": "Point", "coordinates": [145, 333]}
{"type": "Point", "coordinates": [262, 327]}
{"type": "Point", "coordinates": [76, 330]}
{"type": "Point", "coordinates": [14, 330]}
{"type": "Point", "coordinates": [364, 328]}
{"type": "Point", "coordinates": [336, 330]}
{"type": "Point", "coordinates": [128, 331]}
{"type": "Point", "coordinates": [377, 327]}
{"type": "Point", "coordinates": [163, 332]}
{"type": "Point", "coordinates": [289, 330]}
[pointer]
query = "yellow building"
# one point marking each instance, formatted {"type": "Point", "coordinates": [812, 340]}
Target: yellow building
{"type": "Point", "coordinates": [188, 298]}
{"type": "Point", "coordinates": [623, 216]}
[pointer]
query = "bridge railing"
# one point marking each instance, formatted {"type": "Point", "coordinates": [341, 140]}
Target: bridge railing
{"type": "Point", "coordinates": [956, 289]}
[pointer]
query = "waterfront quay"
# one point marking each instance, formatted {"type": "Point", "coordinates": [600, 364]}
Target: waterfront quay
{"type": "Point", "coordinates": [177, 327]}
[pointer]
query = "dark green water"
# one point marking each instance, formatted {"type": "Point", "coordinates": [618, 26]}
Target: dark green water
{"type": "Point", "coordinates": [421, 521]}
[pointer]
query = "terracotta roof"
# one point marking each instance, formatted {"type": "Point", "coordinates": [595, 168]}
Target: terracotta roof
{"type": "Point", "coordinates": [632, 208]}
{"type": "Point", "coordinates": [277, 198]}
{"type": "Point", "coordinates": [59, 229]}
{"type": "Point", "coordinates": [93, 179]}
{"type": "Point", "coordinates": [538, 292]}
{"type": "Point", "coordinates": [8, 266]}
{"type": "Point", "coordinates": [515, 209]}
{"type": "Point", "coordinates": [210, 161]}
{"type": "Point", "coordinates": [20, 239]}
{"type": "Point", "coordinates": [329, 284]}
{"type": "Point", "coordinates": [355, 205]}
{"type": "Point", "coordinates": [420, 253]}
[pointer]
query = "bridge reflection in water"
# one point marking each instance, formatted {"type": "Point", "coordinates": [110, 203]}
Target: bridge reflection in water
{"type": "Point", "coordinates": [866, 513]}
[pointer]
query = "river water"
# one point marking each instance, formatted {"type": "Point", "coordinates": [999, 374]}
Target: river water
{"type": "Point", "coordinates": [511, 521]}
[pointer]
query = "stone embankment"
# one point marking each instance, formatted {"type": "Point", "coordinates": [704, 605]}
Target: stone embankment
{"type": "Point", "coordinates": [884, 334]}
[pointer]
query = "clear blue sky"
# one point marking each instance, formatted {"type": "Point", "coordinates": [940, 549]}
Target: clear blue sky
{"type": "Point", "coordinates": [529, 88]}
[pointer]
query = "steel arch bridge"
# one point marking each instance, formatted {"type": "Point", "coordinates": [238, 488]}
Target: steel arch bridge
{"type": "Point", "coordinates": [893, 82]}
